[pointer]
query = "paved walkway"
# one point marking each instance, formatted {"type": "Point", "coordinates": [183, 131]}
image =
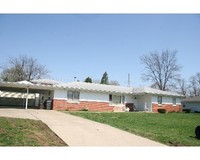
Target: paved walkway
{"type": "Point", "coordinates": [76, 131]}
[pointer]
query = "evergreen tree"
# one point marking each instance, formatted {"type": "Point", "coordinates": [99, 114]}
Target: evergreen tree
{"type": "Point", "coordinates": [104, 79]}
{"type": "Point", "coordinates": [88, 80]}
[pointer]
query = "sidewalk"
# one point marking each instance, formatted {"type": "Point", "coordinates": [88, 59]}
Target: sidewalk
{"type": "Point", "coordinates": [76, 131]}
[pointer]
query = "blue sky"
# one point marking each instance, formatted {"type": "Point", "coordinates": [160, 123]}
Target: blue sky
{"type": "Point", "coordinates": [88, 45]}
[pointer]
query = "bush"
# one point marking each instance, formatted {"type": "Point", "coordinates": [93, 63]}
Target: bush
{"type": "Point", "coordinates": [161, 110]}
{"type": "Point", "coordinates": [187, 110]}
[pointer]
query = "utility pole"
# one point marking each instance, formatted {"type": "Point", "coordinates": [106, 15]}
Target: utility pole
{"type": "Point", "coordinates": [129, 81]}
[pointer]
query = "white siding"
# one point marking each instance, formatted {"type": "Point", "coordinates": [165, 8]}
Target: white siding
{"type": "Point", "coordinates": [140, 103]}
{"type": "Point", "coordinates": [166, 100]}
{"type": "Point", "coordinates": [129, 99]}
{"type": "Point", "coordinates": [60, 94]}
{"type": "Point", "coordinates": [178, 100]}
{"type": "Point", "coordinates": [98, 97]}
{"type": "Point", "coordinates": [149, 102]}
{"type": "Point", "coordinates": [91, 96]}
{"type": "Point", "coordinates": [144, 103]}
{"type": "Point", "coordinates": [154, 99]}
{"type": "Point", "coordinates": [84, 96]}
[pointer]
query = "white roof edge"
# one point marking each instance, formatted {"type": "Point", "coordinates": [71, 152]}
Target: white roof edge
{"type": "Point", "coordinates": [82, 86]}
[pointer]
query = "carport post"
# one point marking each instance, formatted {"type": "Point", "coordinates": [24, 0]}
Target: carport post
{"type": "Point", "coordinates": [26, 107]}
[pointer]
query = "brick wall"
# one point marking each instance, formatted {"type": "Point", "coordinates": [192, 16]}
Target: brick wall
{"type": "Point", "coordinates": [72, 106]}
{"type": "Point", "coordinates": [168, 107]}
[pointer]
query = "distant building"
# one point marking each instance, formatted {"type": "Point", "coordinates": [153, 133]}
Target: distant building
{"type": "Point", "coordinates": [192, 103]}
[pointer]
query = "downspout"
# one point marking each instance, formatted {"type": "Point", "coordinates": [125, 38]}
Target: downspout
{"type": "Point", "coordinates": [27, 89]}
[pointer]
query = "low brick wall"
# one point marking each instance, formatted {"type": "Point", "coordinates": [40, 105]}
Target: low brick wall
{"type": "Point", "coordinates": [77, 106]}
{"type": "Point", "coordinates": [168, 107]}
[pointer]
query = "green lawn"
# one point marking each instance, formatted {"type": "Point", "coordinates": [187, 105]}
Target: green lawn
{"type": "Point", "coordinates": [26, 132]}
{"type": "Point", "coordinates": [173, 129]}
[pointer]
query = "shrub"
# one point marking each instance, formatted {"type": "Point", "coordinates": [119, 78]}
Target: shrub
{"type": "Point", "coordinates": [161, 110]}
{"type": "Point", "coordinates": [187, 110]}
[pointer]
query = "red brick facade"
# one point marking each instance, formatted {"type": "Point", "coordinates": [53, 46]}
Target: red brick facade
{"type": "Point", "coordinates": [77, 106]}
{"type": "Point", "coordinates": [105, 106]}
{"type": "Point", "coordinates": [168, 107]}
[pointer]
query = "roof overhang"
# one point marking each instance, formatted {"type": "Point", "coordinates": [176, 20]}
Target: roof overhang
{"type": "Point", "coordinates": [22, 86]}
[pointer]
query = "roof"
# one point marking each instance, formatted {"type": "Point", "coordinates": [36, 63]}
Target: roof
{"type": "Point", "coordinates": [24, 82]}
{"type": "Point", "coordinates": [148, 90]}
{"type": "Point", "coordinates": [97, 87]}
{"type": "Point", "coordinates": [83, 86]}
{"type": "Point", "coordinates": [46, 82]}
{"type": "Point", "coordinates": [116, 89]}
{"type": "Point", "coordinates": [192, 99]}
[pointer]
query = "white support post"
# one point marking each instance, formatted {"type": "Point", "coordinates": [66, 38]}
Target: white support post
{"type": "Point", "coordinates": [145, 103]}
{"type": "Point", "coordinates": [26, 107]}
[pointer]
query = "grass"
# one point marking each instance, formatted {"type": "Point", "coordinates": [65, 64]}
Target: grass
{"type": "Point", "coordinates": [26, 132]}
{"type": "Point", "coordinates": [173, 129]}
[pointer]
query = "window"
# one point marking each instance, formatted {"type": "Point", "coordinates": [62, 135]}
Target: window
{"type": "Point", "coordinates": [159, 99]}
{"type": "Point", "coordinates": [69, 95]}
{"type": "Point", "coordinates": [73, 96]}
{"type": "Point", "coordinates": [116, 99]}
{"type": "Point", "coordinates": [76, 95]}
{"type": "Point", "coordinates": [174, 101]}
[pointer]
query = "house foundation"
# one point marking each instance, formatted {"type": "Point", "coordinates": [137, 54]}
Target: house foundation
{"type": "Point", "coordinates": [167, 107]}
{"type": "Point", "coordinates": [82, 105]}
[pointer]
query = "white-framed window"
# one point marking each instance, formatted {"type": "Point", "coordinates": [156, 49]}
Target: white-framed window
{"type": "Point", "coordinates": [73, 95]}
{"type": "Point", "coordinates": [159, 99]}
{"type": "Point", "coordinates": [116, 99]}
{"type": "Point", "coordinates": [174, 101]}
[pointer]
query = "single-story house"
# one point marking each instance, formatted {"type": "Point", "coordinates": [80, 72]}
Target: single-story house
{"type": "Point", "coordinates": [192, 103]}
{"type": "Point", "coordinates": [92, 96]}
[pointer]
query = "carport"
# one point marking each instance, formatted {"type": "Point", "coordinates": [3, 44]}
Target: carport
{"type": "Point", "coordinates": [24, 94]}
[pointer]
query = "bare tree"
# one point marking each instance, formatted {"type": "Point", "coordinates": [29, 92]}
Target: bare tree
{"type": "Point", "coordinates": [23, 68]}
{"type": "Point", "coordinates": [96, 81]}
{"type": "Point", "coordinates": [195, 85]}
{"type": "Point", "coordinates": [161, 69]}
{"type": "Point", "coordinates": [183, 87]}
{"type": "Point", "coordinates": [114, 83]}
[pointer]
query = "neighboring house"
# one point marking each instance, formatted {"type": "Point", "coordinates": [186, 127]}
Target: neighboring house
{"type": "Point", "coordinates": [97, 97]}
{"type": "Point", "coordinates": [192, 103]}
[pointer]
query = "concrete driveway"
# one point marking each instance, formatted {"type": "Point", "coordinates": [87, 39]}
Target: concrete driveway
{"type": "Point", "coordinates": [76, 131]}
